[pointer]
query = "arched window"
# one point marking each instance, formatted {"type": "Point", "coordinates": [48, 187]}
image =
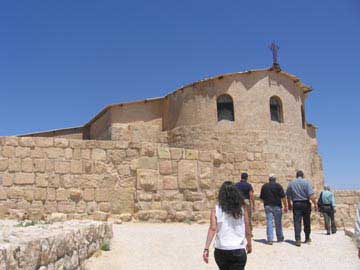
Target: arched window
{"type": "Point", "coordinates": [276, 111]}
{"type": "Point", "coordinates": [303, 119]}
{"type": "Point", "coordinates": [225, 108]}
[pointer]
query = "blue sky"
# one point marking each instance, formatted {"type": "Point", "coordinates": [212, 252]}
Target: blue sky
{"type": "Point", "coordinates": [62, 61]}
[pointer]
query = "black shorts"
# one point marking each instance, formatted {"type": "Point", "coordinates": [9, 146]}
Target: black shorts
{"type": "Point", "coordinates": [230, 259]}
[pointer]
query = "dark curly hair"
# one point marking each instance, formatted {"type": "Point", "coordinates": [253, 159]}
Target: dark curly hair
{"type": "Point", "coordinates": [230, 199]}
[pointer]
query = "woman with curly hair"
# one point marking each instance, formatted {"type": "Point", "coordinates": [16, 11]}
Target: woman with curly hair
{"type": "Point", "coordinates": [229, 221]}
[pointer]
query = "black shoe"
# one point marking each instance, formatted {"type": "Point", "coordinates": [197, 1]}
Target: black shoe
{"type": "Point", "coordinates": [328, 233]}
{"type": "Point", "coordinates": [333, 232]}
{"type": "Point", "coordinates": [280, 240]}
{"type": "Point", "coordinates": [269, 242]}
{"type": "Point", "coordinates": [298, 243]}
{"type": "Point", "coordinates": [308, 241]}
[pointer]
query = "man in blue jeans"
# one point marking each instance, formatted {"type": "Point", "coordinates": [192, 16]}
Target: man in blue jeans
{"type": "Point", "coordinates": [272, 194]}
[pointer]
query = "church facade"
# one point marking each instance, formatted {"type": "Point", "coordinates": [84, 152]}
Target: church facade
{"type": "Point", "coordinates": [257, 114]}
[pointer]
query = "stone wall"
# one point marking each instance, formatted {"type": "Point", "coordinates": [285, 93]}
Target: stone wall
{"type": "Point", "coordinates": [51, 246]}
{"type": "Point", "coordinates": [145, 181]}
{"type": "Point", "coordinates": [347, 202]}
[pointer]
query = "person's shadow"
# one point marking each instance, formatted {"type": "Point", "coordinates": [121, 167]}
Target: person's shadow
{"type": "Point", "coordinates": [264, 241]}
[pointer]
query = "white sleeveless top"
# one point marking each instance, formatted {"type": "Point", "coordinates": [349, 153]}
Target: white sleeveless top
{"type": "Point", "coordinates": [230, 231]}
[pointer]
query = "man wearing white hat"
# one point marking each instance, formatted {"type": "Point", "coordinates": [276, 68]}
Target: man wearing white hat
{"type": "Point", "coordinates": [272, 194]}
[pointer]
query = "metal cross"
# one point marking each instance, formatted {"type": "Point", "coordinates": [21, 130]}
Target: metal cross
{"type": "Point", "coordinates": [274, 49]}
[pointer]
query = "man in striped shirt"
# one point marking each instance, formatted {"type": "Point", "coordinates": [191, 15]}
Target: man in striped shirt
{"type": "Point", "coordinates": [357, 229]}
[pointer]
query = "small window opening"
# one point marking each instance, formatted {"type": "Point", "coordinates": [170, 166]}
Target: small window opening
{"type": "Point", "coordinates": [276, 111]}
{"type": "Point", "coordinates": [225, 108]}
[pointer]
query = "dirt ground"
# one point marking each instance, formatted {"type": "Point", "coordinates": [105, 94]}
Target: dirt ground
{"type": "Point", "coordinates": [179, 246]}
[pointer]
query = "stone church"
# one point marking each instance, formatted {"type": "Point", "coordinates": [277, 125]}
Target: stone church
{"type": "Point", "coordinates": [257, 113]}
{"type": "Point", "coordinates": [163, 159]}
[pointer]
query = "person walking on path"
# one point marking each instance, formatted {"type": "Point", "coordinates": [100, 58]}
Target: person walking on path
{"type": "Point", "coordinates": [299, 194]}
{"type": "Point", "coordinates": [273, 196]}
{"type": "Point", "coordinates": [326, 204]}
{"type": "Point", "coordinates": [357, 229]}
{"type": "Point", "coordinates": [229, 221]}
{"type": "Point", "coordinates": [247, 192]}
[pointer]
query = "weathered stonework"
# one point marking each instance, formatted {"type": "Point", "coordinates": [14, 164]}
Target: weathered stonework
{"type": "Point", "coordinates": [164, 159]}
{"type": "Point", "coordinates": [51, 246]}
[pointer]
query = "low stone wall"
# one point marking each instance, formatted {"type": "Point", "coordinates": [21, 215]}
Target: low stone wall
{"type": "Point", "coordinates": [347, 201]}
{"type": "Point", "coordinates": [48, 247]}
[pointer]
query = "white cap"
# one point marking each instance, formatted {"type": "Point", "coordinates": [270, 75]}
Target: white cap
{"type": "Point", "coordinates": [271, 175]}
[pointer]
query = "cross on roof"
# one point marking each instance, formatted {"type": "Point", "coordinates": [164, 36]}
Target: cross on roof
{"type": "Point", "coordinates": [274, 49]}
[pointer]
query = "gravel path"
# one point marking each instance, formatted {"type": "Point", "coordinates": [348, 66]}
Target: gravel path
{"type": "Point", "coordinates": [179, 246]}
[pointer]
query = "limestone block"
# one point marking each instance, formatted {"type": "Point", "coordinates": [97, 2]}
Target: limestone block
{"type": "Point", "coordinates": [44, 142]}
{"type": "Point", "coordinates": [153, 215]}
{"type": "Point", "coordinates": [14, 165]}
{"type": "Point", "coordinates": [132, 153]}
{"type": "Point", "coordinates": [89, 194]}
{"type": "Point", "coordinates": [61, 142]}
{"type": "Point", "coordinates": [199, 206]}
{"type": "Point", "coordinates": [205, 156]}
{"type": "Point", "coordinates": [66, 207]}
{"type": "Point", "coordinates": [24, 178]}
{"type": "Point", "coordinates": [76, 166]}
{"type": "Point", "coordinates": [50, 207]}
{"type": "Point", "coordinates": [143, 196]}
{"type": "Point", "coordinates": [54, 152]}
{"type": "Point", "coordinates": [147, 179]}
{"type": "Point", "coordinates": [193, 196]}
{"type": "Point", "coordinates": [62, 194]}
{"type": "Point", "coordinates": [125, 217]}
{"type": "Point", "coordinates": [102, 195]}
{"type": "Point", "coordinates": [117, 156]}
{"type": "Point", "coordinates": [172, 195]}
{"type": "Point", "coordinates": [239, 157]}
{"type": "Point", "coordinates": [217, 158]}
{"type": "Point", "coordinates": [4, 164]}
{"type": "Point", "coordinates": [98, 154]}
{"type": "Point", "coordinates": [50, 194]}
{"type": "Point", "coordinates": [147, 149]}
{"type": "Point", "coordinates": [27, 165]}
{"type": "Point", "coordinates": [3, 194]}
{"type": "Point", "coordinates": [104, 207]}
{"type": "Point", "coordinates": [176, 153]}
{"type": "Point", "coordinates": [191, 154]}
{"type": "Point", "coordinates": [75, 195]}
{"type": "Point", "coordinates": [85, 153]}
{"type": "Point", "coordinates": [81, 207]}
{"type": "Point", "coordinates": [11, 140]}
{"type": "Point", "coordinates": [49, 165]}
{"type": "Point", "coordinates": [6, 179]}
{"type": "Point", "coordinates": [57, 217]}
{"type": "Point", "coordinates": [101, 216]}
{"type": "Point", "coordinates": [187, 174]}
{"type": "Point", "coordinates": [37, 152]}
{"type": "Point", "coordinates": [26, 142]}
{"type": "Point", "coordinates": [68, 153]}
{"type": "Point", "coordinates": [53, 180]}
{"type": "Point", "coordinates": [205, 183]}
{"type": "Point", "coordinates": [40, 194]}
{"type": "Point", "coordinates": [8, 151]}
{"type": "Point", "coordinates": [170, 183]}
{"type": "Point", "coordinates": [164, 152]}
{"type": "Point", "coordinates": [28, 194]}
{"type": "Point", "coordinates": [15, 193]}
{"type": "Point", "coordinates": [91, 207]}
{"type": "Point", "coordinates": [206, 170]}
{"type": "Point", "coordinates": [147, 163]}
{"type": "Point", "coordinates": [62, 167]}
{"type": "Point", "coordinates": [39, 165]}
{"type": "Point", "coordinates": [165, 167]}
{"type": "Point", "coordinates": [180, 216]}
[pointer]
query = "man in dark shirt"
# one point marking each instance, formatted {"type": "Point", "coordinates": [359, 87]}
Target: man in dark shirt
{"type": "Point", "coordinates": [272, 194]}
{"type": "Point", "coordinates": [247, 192]}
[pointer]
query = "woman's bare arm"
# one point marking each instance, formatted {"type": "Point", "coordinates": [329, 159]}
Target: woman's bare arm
{"type": "Point", "coordinates": [210, 235]}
